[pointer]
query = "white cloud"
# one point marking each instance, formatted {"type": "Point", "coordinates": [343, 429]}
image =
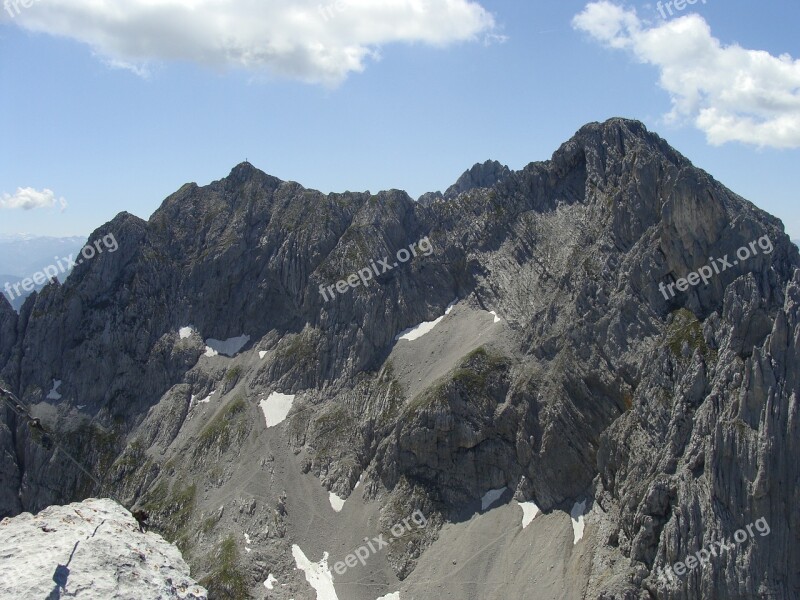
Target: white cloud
{"type": "Point", "coordinates": [29, 198]}
{"type": "Point", "coordinates": [728, 92]}
{"type": "Point", "coordinates": [319, 41]}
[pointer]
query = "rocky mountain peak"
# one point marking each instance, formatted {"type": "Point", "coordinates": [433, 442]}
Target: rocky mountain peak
{"type": "Point", "coordinates": [245, 368]}
{"type": "Point", "coordinates": [481, 175]}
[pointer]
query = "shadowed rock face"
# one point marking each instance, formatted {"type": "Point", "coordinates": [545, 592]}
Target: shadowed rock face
{"type": "Point", "coordinates": [677, 415]}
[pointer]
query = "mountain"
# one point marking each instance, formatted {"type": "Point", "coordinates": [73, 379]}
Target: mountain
{"type": "Point", "coordinates": [479, 176]}
{"type": "Point", "coordinates": [16, 237]}
{"type": "Point", "coordinates": [554, 382]}
{"type": "Point", "coordinates": [77, 549]}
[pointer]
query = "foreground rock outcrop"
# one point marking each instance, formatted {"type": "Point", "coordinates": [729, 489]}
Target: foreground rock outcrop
{"type": "Point", "coordinates": [91, 550]}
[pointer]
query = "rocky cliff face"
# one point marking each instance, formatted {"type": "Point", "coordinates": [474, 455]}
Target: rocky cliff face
{"type": "Point", "coordinates": [554, 366]}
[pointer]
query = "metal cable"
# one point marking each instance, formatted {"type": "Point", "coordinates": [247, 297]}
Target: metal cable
{"type": "Point", "coordinates": [19, 408]}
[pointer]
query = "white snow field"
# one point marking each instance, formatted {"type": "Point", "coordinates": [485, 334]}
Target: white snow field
{"type": "Point", "coordinates": [230, 347]}
{"type": "Point", "coordinates": [529, 512]}
{"type": "Point", "coordinates": [276, 408]}
{"type": "Point", "coordinates": [414, 333]}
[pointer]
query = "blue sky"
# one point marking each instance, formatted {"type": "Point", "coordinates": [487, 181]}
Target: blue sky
{"type": "Point", "coordinates": [102, 115]}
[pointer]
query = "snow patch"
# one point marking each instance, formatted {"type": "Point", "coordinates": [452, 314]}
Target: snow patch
{"type": "Point", "coordinates": [414, 333]}
{"type": "Point", "coordinates": [318, 575]}
{"type": "Point", "coordinates": [496, 318]}
{"type": "Point", "coordinates": [336, 503]}
{"type": "Point", "coordinates": [186, 332]}
{"type": "Point", "coordinates": [54, 395]}
{"type": "Point", "coordinates": [394, 596]}
{"type": "Point", "coordinates": [529, 512]}
{"type": "Point", "coordinates": [577, 513]}
{"type": "Point", "coordinates": [270, 582]}
{"type": "Point", "coordinates": [276, 408]}
{"type": "Point", "coordinates": [491, 497]}
{"type": "Point", "coordinates": [194, 402]}
{"type": "Point", "coordinates": [247, 539]}
{"type": "Point", "coordinates": [229, 347]}
{"type": "Point", "coordinates": [262, 354]}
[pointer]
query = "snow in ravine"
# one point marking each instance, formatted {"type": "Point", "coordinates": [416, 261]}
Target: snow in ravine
{"type": "Point", "coordinates": [276, 408]}
{"type": "Point", "coordinates": [194, 401]}
{"type": "Point", "coordinates": [577, 514]}
{"type": "Point", "coordinates": [270, 582]}
{"type": "Point", "coordinates": [337, 503]}
{"type": "Point", "coordinates": [491, 497]}
{"type": "Point", "coordinates": [414, 333]}
{"type": "Point", "coordinates": [529, 512]}
{"type": "Point", "coordinates": [54, 395]}
{"type": "Point", "coordinates": [230, 347]}
{"type": "Point", "coordinates": [318, 574]}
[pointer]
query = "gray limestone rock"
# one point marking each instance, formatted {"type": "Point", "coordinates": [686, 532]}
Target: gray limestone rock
{"type": "Point", "coordinates": [568, 370]}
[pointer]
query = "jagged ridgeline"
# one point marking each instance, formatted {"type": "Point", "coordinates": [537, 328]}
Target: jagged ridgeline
{"type": "Point", "coordinates": [552, 366]}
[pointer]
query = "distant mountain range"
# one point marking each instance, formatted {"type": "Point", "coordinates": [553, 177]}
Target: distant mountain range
{"type": "Point", "coordinates": [16, 237]}
{"type": "Point", "coordinates": [22, 255]}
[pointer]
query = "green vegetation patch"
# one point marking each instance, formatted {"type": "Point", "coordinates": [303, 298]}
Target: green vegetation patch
{"type": "Point", "coordinates": [171, 510]}
{"type": "Point", "coordinates": [227, 581]}
{"type": "Point", "coordinates": [230, 424]}
{"type": "Point", "coordinates": [331, 430]}
{"type": "Point", "coordinates": [301, 348]}
{"type": "Point", "coordinates": [233, 374]}
{"type": "Point", "coordinates": [93, 446]}
{"type": "Point", "coordinates": [134, 456]}
{"type": "Point", "coordinates": [686, 328]}
{"type": "Point", "coordinates": [474, 371]}
{"type": "Point", "coordinates": [471, 379]}
{"type": "Point", "coordinates": [131, 467]}
{"type": "Point", "coordinates": [209, 524]}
